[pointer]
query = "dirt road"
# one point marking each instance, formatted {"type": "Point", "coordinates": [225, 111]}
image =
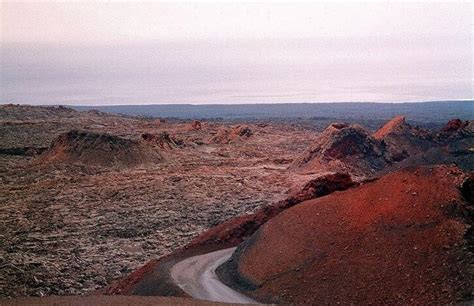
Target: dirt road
{"type": "Point", "coordinates": [196, 276]}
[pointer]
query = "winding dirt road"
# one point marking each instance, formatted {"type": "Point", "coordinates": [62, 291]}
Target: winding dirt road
{"type": "Point", "coordinates": [197, 277]}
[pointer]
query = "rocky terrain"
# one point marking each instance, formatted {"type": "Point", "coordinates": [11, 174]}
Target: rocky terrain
{"type": "Point", "coordinates": [345, 237]}
{"type": "Point", "coordinates": [89, 197]}
{"type": "Point", "coordinates": [96, 196]}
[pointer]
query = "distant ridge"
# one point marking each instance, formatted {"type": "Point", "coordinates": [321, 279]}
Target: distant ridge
{"type": "Point", "coordinates": [436, 111]}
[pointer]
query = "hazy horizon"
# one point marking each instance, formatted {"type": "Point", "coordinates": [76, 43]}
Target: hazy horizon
{"type": "Point", "coordinates": [242, 104]}
{"type": "Point", "coordinates": [201, 53]}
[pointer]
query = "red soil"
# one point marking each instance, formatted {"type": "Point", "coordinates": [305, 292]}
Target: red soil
{"type": "Point", "coordinates": [398, 240]}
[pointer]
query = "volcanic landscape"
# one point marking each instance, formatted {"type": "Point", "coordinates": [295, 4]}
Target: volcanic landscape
{"type": "Point", "coordinates": [320, 210]}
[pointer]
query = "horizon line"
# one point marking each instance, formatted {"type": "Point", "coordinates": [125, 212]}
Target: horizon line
{"type": "Point", "coordinates": [248, 104]}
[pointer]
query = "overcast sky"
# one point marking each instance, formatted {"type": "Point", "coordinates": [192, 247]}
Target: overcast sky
{"type": "Point", "coordinates": [326, 46]}
{"type": "Point", "coordinates": [105, 22]}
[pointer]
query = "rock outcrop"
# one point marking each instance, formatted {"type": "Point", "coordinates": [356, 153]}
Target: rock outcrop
{"type": "Point", "coordinates": [396, 125]}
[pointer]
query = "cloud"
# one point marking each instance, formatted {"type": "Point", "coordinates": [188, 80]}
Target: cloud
{"type": "Point", "coordinates": [105, 22]}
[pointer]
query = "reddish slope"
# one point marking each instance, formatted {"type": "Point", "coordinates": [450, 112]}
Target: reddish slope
{"type": "Point", "coordinates": [395, 125]}
{"type": "Point", "coordinates": [397, 240]}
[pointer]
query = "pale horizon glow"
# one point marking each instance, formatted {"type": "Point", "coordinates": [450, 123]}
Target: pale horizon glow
{"type": "Point", "coordinates": [106, 53]}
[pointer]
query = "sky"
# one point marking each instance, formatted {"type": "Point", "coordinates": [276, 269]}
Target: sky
{"type": "Point", "coordinates": [97, 52]}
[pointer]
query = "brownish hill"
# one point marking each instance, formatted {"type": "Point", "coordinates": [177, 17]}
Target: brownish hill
{"type": "Point", "coordinates": [455, 125]}
{"type": "Point", "coordinates": [80, 147]}
{"type": "Point", "coordinates": [343, 148]}
{"type": "Point", "coordinates": [236, 133]}
{"type": "Point", "coordinates": [402, 239]}
{"type": "Point", "coordinates": [456, 129]}
{"type": "Point", "coordinates": [351, 149]}
{"type": "Point", "coordinates": [454, 145]}
{"type": "Point", "coordinates": [104, 300]}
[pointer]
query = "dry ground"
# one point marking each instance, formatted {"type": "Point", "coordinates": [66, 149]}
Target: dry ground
{"type": "Point", "coordinates": [70, 229]}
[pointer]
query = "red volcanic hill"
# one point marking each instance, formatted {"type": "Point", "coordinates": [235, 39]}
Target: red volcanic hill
{"type": "Point", "coordinates": [401, 140]}
{"type": "Point", "coordinates": [80, 147]}
{"type": "Point", "coordinates": [343, 148]}
{"type": "Point", "coordinates": [402, 239]}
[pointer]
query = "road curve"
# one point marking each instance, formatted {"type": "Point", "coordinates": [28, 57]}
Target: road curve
{"type": "Point", "coordinates": [197, 277]}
